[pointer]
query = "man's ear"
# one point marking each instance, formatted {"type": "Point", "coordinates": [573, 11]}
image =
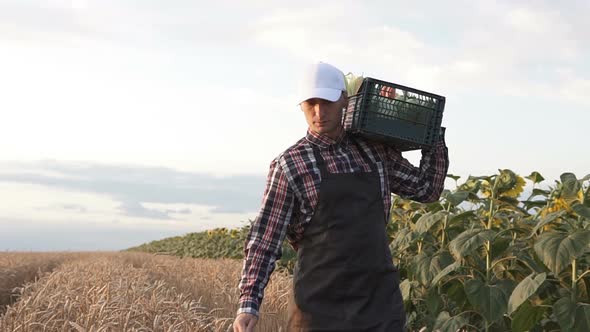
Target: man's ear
{"type": "Point", "coordinates": [344, 99]}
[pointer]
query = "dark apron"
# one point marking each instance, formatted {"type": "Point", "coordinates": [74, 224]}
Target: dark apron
{"type": "Point", "coordinates": [344, 278]}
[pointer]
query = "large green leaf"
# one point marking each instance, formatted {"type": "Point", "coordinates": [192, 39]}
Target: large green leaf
{"type": "Point", "coordinates": [581, 210]}
{"type": "Point", "coordinates": [446, 323]}
{"type": "Point", "coordinates": [524, 291]}
{"type": "Point", "coordinates": [571, 187]}
{"type": "Point", "coordinates": [570, 182]}
{"type": "Point", "coordinates": [557, 249]}
{"type": "Point", "coordinates": [564, 309]}
{"type": "Point", "coordinates": [450, 268]}
{"type": "Point", "coordinates": [545, 220]}
{"type": "Point", "coordinates": [526, 317]}
{"type": "Point", "coordinates": [499, 247]}
{"type": "Point", "coordinates": [403, 240]}
{"type": "Point", "coordinates": [463, 216]}
{"type": "Point", "coordinates": [536, 177]}
{"type": "Point", "coordinates": [457, 197]}
{"type": "Point", "coordinates": [434, 301]}
{"type": "Point", "coordinates": [467, 243]}
{"type": "Point", "coordinates": [455, 291]}
{"type": "Point", "coordinates": [572, 316]}
{"type": "Point", "coordinates": [427, 266]}
{"type": "Point", "coordinates": [405, 288]}
{"type": "Point", "coordinates": [582, 319]}
{"type": "Point", "coordinates": [428, 220]}
{"type": "Point", "coordinates": [490, 300]}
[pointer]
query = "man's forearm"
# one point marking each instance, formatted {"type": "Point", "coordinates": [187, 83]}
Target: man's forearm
{"type": "Point", "coordinates": [425, 183]}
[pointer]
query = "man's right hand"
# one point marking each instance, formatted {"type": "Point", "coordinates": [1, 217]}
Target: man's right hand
{"type": "Point", "coordinates": [245, 322]}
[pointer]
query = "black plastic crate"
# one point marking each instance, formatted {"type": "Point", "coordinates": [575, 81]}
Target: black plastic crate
{"type": "Point", "coordinates": [405, 117]}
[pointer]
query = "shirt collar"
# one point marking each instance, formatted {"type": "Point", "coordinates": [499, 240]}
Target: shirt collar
{"type": "Point", "coordinates": [324, 141]}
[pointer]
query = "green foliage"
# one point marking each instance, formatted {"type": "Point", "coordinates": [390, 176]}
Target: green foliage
{"type": "Point", "coordinates": [482, 258]}
{"type": "Point", "coordinates": [558, 249]}
{"type": "Point", "coordinates": [526, 317]}
{"type": "Point", "coordinates": [215, 243]}
{"type": "Point", "coordinates": [485, 258]}
{"type": "Point", "coordinates": [524, 291]}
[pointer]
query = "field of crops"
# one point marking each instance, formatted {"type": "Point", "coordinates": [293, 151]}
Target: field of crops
{"type": "Point", "coordinates": [482, 258]}
{"type": "Point", "coordinates": [126, 292]}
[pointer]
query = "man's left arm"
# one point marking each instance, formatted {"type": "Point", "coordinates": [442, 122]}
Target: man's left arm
{"type": "Point", "coordinates": [424, 183]}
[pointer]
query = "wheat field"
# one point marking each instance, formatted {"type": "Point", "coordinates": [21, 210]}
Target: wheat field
{"type": "Point", "coordinates": [124, 291]}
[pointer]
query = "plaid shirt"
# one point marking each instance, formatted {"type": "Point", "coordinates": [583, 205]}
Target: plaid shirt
{"type": "Point", "coordinates": [292, 189]}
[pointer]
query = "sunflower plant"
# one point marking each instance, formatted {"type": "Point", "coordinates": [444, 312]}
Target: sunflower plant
{"type": "Point", "coordinates": [487, 258]}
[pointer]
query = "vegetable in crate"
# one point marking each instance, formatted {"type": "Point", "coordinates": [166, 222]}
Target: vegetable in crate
{"type": "Point", "coordinates": [353, 83]}
{"type": "Point", "coordinates": [387, 91]}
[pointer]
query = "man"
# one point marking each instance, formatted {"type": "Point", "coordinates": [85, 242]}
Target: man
{"type": "Point", "coordinates": [329, 195]}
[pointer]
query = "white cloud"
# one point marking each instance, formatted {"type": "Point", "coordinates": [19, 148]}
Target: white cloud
{"type": "Point", "coordinates": [43, 203]}
{"type": "Point", "coordinates": [108, 104]}
{"type": "Point", "coordinates": [467, 67]}
{"type": "Point", "coordinates": [52, 215]}
{"type": "Point", "coordinates": [298, 30]}
{"type": "Point", "coordinates": [576, 90]}
{"type": "Point", "coordinates": [497, 48]}
{"type": "Point", "coordinates": [543, 23]}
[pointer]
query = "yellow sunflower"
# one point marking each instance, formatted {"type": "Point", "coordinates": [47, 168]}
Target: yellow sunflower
{"type": "Point", "coordinates": [557, 204]}
{"type": "Point", "coordinates": [469, 185]}
{"type": "Point", "coordinates": [486, 188]}
{"type": "Point", "coordinates": [510, 184]}
{"type": "Point", "coordinates": [516, 189]}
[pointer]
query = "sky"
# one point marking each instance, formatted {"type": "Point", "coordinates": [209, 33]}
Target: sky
{"type": "Point", "coordinates": [129, 121]}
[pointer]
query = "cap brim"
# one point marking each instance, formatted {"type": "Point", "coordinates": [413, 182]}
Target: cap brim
{"type": "Point", "coordinates": [322, 93]}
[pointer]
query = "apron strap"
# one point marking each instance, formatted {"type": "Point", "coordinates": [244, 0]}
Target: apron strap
{"type": "Point", "coordinates": [372, 165]}
{"type": "Point", "coordinates": [321, 164]}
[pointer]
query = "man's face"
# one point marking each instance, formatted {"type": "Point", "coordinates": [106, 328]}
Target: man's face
{"type": "Point", "coordinates": [324, 116]}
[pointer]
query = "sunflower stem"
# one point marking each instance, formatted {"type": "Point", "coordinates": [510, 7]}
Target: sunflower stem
{"type": "Point", "coordinates": [574, 281]}
{"type": "Point", "coordinates": [444, 230]}
{"type": "Point", "coordinates": [488, 245]}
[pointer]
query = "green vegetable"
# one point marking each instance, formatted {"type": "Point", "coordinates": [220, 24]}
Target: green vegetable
{"type": "Point", "coordinates": [353, 83]}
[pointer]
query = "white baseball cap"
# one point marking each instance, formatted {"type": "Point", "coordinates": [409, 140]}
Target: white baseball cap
{"type": "Point", "coordinates": [321, 80]}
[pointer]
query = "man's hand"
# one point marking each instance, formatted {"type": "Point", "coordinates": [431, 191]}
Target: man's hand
{"type": "Point", "coordinates": [245, 322]}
